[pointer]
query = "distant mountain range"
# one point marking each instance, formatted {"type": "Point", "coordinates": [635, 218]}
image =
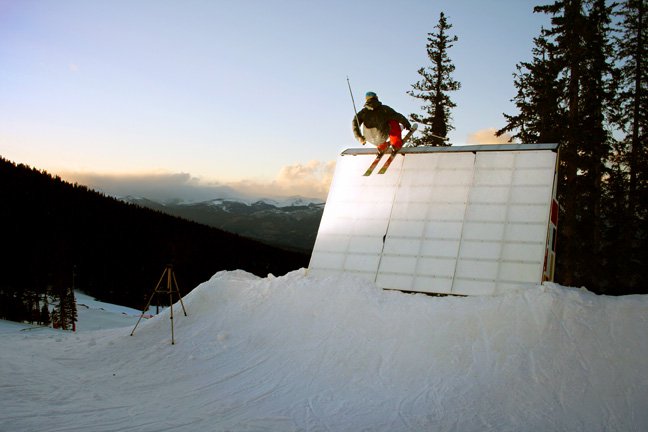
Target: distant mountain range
{"type": "Point", "coordinates": [290, 223]}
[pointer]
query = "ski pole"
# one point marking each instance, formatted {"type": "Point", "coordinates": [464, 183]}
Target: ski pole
{"type": "Point", "coordinates": [440, 137]}
{"type": "Point", "coordinates": [353, 102]}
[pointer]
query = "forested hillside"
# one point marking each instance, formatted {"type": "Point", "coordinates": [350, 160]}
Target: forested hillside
{"type": "Point", "coordinates": [56, 235]}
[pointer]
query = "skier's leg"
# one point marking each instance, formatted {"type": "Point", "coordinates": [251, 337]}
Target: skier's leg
{"type": "Point", "coordinates": [382, 147]}
{"type": "Point", "coordinates": [395, 135]}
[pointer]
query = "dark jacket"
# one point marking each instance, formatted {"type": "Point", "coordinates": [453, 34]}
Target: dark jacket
{"type": "Point", "coordinates": [375, 117]}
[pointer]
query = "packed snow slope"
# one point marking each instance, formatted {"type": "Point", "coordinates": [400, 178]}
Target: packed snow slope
{"type": "Point", "coordinates": [305, 353]}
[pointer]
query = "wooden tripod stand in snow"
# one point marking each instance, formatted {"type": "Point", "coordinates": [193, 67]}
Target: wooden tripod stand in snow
{"type": "Point", "coordinates": [170, 289]}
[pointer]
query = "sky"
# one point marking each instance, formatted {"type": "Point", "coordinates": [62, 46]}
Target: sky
{"type": "Point", "coordinates": [250, 95]}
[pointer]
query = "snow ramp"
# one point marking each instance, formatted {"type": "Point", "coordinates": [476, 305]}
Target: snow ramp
{"type": "Point", "coordinates": [465, 220]}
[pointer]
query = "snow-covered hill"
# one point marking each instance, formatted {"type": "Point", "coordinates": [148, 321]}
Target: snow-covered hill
{"type": "Point", "coordinates": [303, 353]}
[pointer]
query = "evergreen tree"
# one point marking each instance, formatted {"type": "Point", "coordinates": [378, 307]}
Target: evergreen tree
{"type": "Point", "coordinates": [56, 321]}
{"type": "Point", "coordinates": [74, 317]}
{"type": "Point", "coordinates": [34, 307]}
{"type": "Point", "coordinates": [563, 96]}
{"type": "Point", "coordinates": [45, 315]}
{"type": "Point", "coordinates": [630, 198]}
{"type": "Point", "coordinates": [64, 315]}
{"type": "Point", "coordinates": [541, 116]}
{"type": "Point", "coordinates": [434, 87]}
{"type": "Point", "coordinates": [597, 88]}
{"type": "Point", "coordinates": [68, 314]}
{"type": "Point", "coordinates": [632, 115]}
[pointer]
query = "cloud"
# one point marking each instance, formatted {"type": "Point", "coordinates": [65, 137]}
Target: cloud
{"type": "Point", "coordinates": [315, 176]}
{"type": "Point", "coordinates": [158, 187]}
{"type": "Point", "coordinates": [487, 136]}
{"type": "Point", "coordinates": [309, 180]}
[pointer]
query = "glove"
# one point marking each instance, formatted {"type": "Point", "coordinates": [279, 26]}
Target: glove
{"type": "Point", "coordinates": [362, 140]}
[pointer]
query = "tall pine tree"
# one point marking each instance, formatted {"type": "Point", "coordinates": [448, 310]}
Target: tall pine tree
{"type": "Point", "coordinates": [64, 315]}
{"type": "Point", "coordinates": [563, 96]}
{"type": "Point", "coordinates": [540, 117]}
{"type": "Point", "coordinates": [434, 87]}
{"type": "Point", "coordinates": [629, 198]}
{"type": "Point", "coordinates": [597, 98]}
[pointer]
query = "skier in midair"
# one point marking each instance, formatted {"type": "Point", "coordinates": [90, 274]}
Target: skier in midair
{"type": "Point", "coordinates": [382, 124]}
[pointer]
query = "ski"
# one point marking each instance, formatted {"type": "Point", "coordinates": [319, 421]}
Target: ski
{"type": "Point", "coordinates": [388, 162]}
{"type": "Point", "coordinates": [394, 152]}
{"type": "Point", "coordinates": [374, 164]}
{"type": "Point", "coordinates": [376, 161]}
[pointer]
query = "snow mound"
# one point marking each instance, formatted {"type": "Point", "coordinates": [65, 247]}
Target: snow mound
{"type": "Point", "coordinates": [300, 352]}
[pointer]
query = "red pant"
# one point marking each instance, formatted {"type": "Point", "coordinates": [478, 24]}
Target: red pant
{"type": "Point", "coordinates": [394, 137]}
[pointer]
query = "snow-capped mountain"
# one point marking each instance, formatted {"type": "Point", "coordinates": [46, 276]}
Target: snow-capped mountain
{"type": "Point", "coordinates": [274, 202]}
{"type": "Point", "coordinates": [286, 222]}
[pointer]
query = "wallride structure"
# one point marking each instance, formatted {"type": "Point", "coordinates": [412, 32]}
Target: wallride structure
{"type": "Point", "coordinates": [464, 220]}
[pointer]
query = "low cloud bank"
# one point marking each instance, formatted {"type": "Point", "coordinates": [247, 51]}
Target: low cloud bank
{"type": "Point", "coordinates": [309, 180]}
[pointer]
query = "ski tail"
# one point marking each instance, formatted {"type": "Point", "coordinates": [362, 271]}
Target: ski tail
{"type": "Point", "coordinates": [374, 164]}
{"type": "Point", "coordinates": [388, 162]}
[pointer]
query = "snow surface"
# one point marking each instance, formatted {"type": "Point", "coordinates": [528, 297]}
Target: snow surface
{"type": "Point", "coordinates": [95, 315]}
{"type": "Point", "coordinates": [336, 353]}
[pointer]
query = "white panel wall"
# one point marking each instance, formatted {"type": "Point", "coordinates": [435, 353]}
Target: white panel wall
{"type": "Point", "coordinates": [464, 223]}
{"type": "Point", "coordinates": [355, 219]}
{"type": "Point", "coordinates": [427, 216]}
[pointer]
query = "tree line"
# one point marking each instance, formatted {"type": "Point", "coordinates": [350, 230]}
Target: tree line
{"type": "Point", "coordinates": [585, 89]}
{"type": "Point", "coordinates": [57, 237]}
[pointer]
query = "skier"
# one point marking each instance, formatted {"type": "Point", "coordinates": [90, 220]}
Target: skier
{"type": "Point", "coordinates": [382, 124]}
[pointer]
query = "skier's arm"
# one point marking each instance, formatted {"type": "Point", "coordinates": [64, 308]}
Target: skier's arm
{"type": "Point", "coordinates": [400, 118]}
{"type": "Point", "coordinates": [403, 120]}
